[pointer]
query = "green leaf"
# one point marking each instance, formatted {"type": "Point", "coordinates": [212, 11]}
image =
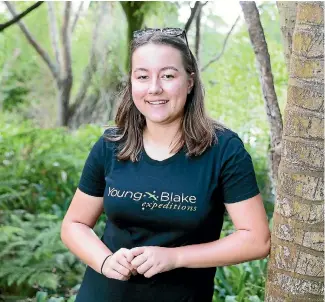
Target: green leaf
{"type": "Point", "coordinates": [231, 299]}
{"type": "Point", "coordinates": [41, 296]}
{"type": "Point", "coordinates": [54, 299]}
{"type": "Point", "coordinates": [220, 275]}
{"type": "Point", "coordinates": [72, 298]}
{"type": "Point", "coordinates": [254, 299]}
{"type": "Point", "coordinates": [45, 279]}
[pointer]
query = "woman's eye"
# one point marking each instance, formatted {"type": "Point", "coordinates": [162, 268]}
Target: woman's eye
{"type": "Point", "coordinates": [142, 77]}
{"type": "Point", "coordinates": [168, 76]}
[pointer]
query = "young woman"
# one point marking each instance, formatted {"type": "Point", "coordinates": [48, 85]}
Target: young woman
{"type": "Point", "coordinates": [164, 177]}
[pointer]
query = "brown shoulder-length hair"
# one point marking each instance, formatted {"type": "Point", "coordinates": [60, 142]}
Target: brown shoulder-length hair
{"type": "Point", "coordinates": [198, 131]}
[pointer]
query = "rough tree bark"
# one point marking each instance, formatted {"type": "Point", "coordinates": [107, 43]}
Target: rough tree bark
{"type": "Point", "coordinates": [259, 44]}
{"type": "Point", "coordinates": [296, 264]}
{"type": "Point", "coordinates": [287, 12]}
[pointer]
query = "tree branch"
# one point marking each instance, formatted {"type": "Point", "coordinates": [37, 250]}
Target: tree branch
{"type": "Point", "coordinates": [197, 31]}
{"type": "Point", "coordinates": [54, 35]}
{"type": "Point", "coordinates": [76, 17]}
{"type": "Point", "coordinates": [66, 42]}
{"type": "Point", "coordinates": [258, 41]}
{"type": "Point", "coordinates": [193, 12]}
{"type": "Point", "coordinates": [33, 42]}
{"type": "Point", "coordinates": [20, 16]}
{"type": "Point", "coordinates": [217, 57]}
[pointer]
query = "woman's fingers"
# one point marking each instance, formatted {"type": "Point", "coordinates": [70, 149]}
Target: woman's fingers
{"type": "Point", "coordinates": [139, 260]}
{"type": "Point", "coordinates": [150, 272]}
{"type": "Point", "coordinates": [123, 261]}
{"type": "Point", "coordinates": [144, 267]}
{"type": "Point", "coordinates": [116, 275]}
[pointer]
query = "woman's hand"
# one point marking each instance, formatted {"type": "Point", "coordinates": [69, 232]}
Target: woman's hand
{"type": "Point", "coordinates": [118, 266]}
{"type": "Point", "coordinates": [151, 260]}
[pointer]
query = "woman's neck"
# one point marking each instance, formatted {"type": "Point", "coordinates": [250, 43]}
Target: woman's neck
{"type": "Point", "coordinates": [163, 136]}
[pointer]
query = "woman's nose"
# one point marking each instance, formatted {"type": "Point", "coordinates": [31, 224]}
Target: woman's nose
{"type": "Point", "coordinates": [155, 87]}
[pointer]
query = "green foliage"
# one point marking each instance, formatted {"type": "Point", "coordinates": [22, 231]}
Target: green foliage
{"type": "Point", "coordinates": [14, 92]}
{"type": "Point", "coordinates": [33, 256]}
{"type": "Point", "coordinates": [39, 174]}
{"type": "Point", "coordinates": [43, 297]}
{"type": "Point", "coordinates": [244, 282]}
{"type": "Point", "coordinates": [34, 259]}
{"type": "Point", "coordinates": [38, 171]}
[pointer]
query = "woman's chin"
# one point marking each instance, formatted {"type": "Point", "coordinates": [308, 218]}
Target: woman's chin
{"type": "Point", "coordinates": [158, 119]}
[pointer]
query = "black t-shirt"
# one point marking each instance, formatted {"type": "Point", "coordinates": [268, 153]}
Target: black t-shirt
{"type": "Point", "coordinates": [175, 202]}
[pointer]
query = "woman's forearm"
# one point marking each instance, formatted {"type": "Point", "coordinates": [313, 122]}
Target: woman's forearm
{"type": "Point", "coordinates": [82, 241]}
{"type": "Point", "coordinates": [238, 247]}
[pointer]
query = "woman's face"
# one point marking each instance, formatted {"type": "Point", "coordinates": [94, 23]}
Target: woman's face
{"type": "Point", "coordinates": [160, 83]}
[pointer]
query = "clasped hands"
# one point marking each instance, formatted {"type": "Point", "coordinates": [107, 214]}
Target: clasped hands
{"type": "Point", "coordinates": [145, 260]}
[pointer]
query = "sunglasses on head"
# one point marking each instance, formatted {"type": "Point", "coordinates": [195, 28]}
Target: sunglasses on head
{"type": "Point", "coordinates": [168, 31]}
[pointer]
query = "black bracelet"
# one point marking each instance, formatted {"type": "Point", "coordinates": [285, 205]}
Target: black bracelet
{"type": "Point", "coordinates": [101, 269]}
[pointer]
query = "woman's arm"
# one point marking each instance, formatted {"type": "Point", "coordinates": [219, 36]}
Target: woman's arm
{"type": "Point", "coordinates": [250, 241]}
{"type": "Point", "coordinates": [77, 230]}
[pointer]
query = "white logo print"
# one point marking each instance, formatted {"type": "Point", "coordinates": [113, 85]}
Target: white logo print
{"type": "Point", "coordinates": [164, 200]}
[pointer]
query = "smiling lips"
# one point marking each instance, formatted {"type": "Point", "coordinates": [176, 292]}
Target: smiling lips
{"type": "Point", "coordinates": [159, 102]}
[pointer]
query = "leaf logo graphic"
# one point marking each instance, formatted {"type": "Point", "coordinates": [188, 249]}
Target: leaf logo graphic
{"type": "Point", "coordinates": [152, 196]}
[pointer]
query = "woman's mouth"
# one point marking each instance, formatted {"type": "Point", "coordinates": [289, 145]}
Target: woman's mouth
{"type": "Point", "coordinates": [158, 102]}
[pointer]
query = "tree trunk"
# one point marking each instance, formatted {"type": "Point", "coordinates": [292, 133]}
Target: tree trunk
{"type": "Point", "coordinates": [64, 89]}
{"type": "Point", "coordinates": [197, 32]}
{"type": "Point", "coordinates": [135, 17]}
{"type": "Point", "coordinates": [296, 265]}
{"type": "Point", "coordinates": [66, 79]}
{"type": "Point", "coordinates": [258, 41]}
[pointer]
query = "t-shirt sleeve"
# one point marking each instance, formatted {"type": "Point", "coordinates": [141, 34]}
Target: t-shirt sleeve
{"type": "Point", "coordinates": [92, 180]}
{"type": "Point", "coordinates": [237, 174]}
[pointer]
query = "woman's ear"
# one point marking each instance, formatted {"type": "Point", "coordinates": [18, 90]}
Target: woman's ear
{"type": "Point", "coordinates": [190, 82]}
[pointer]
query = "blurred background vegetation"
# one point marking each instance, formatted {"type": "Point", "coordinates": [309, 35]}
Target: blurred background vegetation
{"type": "Point", "coordinates": [41, 160]}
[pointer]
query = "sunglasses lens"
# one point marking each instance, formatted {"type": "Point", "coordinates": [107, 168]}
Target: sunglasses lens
{"type": "Point", "coordinates": [166, 31]}
{"type": "Point", "coordinates": [172, 31]}
{"type": "Point", "coordinates": [137, 34]}
{"type": "Point", "coordinates": [140, 33]}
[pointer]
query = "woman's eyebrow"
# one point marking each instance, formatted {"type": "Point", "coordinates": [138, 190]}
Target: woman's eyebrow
{"type": "Point", "coordinates": [162, 69]}
{"type": "Point", "coordinates": [140, 69]}
{"type": "Point", "coordinates": [169, 67]}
